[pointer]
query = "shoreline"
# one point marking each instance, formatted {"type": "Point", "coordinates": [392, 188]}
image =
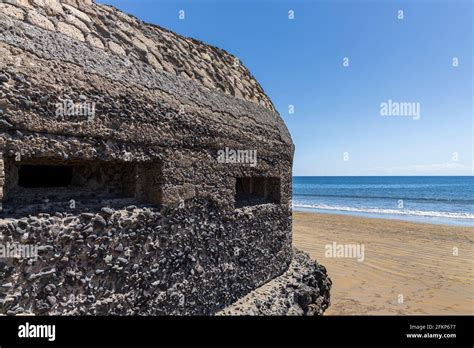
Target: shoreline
{"type": "Point", "coordinates": [396, 217]}
{"type": "Point", "coordinates": [409, 268]}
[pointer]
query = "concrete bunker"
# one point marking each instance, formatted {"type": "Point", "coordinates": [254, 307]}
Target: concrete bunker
{"type": "Point", "coordinates": [154, 230]}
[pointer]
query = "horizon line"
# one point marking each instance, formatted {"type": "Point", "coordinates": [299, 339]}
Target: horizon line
{"type": "Point", "coordinates": [390, 176]}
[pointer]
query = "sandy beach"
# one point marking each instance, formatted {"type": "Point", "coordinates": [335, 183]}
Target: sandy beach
{"type": "Point", "coordinates": [407, 261]}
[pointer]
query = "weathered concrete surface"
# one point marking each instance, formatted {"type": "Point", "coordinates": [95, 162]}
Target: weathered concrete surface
{"type": "Point", "coordinates": [120, 34]}
{"type": "Point", "coordinates": [302, 290]}
{"type": "Point", "coordinates": [140, 260]}
{"type": "Point", "coordinates": [149, 223]}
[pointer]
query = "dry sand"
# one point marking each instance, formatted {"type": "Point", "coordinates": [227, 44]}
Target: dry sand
{"type": "Point", "coordinates": [401, 258]}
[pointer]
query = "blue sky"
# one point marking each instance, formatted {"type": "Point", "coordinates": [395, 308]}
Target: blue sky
{"type": "Point", "coordinates": [337, 109]}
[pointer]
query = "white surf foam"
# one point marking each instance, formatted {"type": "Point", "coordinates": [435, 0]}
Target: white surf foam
{"type": "Point", "coordinates": [439, 214]}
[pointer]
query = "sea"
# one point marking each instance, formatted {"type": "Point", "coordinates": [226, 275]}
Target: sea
{"type": "Point", "coordinates": [431, 199]}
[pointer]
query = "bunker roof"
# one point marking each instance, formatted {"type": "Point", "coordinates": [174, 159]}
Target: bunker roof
{"type": "Point", "coordinates": [77, 68]}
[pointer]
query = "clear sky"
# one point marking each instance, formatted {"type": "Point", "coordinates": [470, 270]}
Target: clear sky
{"type": "Point", "coordinates": [337, 126]}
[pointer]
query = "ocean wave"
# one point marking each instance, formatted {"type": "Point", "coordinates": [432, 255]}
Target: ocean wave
{"type": "Point", "coordinates": [394, 197]}
{"type": "Point", "coordinates": [439, 214]}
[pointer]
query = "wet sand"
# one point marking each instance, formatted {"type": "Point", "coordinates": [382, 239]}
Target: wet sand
{"type": "Point", "coordinates": [414, 260]}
